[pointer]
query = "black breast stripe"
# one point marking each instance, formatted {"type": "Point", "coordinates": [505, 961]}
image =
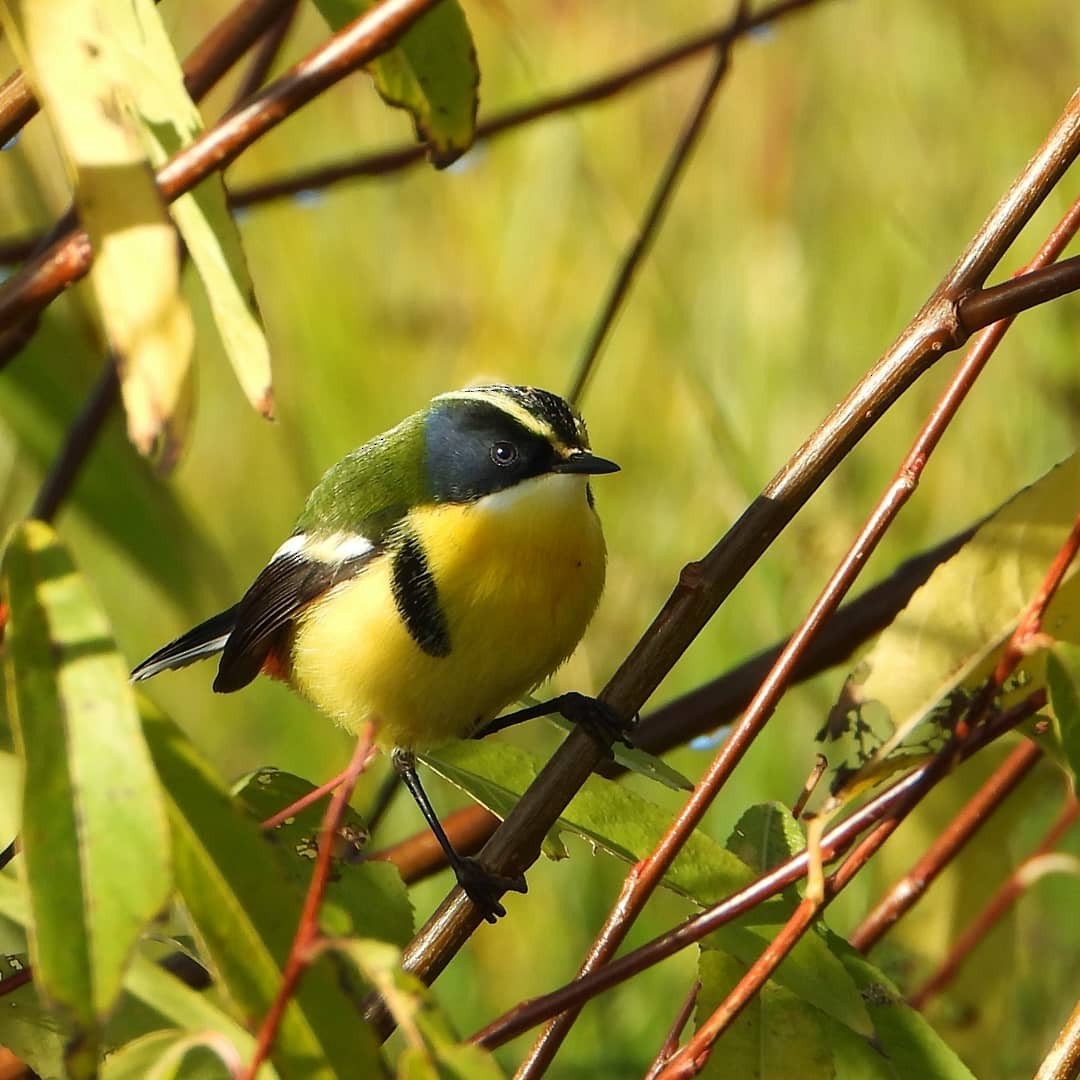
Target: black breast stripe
{"type": "Point", "coordinates": [417, 598]}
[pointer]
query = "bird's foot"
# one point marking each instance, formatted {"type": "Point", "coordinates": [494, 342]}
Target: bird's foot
{"type": "Point", "coordinates": [485, 888]}
{"type": "Point", "coordinates": [596, 717]}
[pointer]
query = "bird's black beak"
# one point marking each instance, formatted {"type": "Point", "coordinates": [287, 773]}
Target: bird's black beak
{"type": "Point", "coordinates": [585, 463]}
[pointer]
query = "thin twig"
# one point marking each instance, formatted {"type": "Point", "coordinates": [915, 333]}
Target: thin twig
{"type": "Point", "coordinates": [907, 892]}
{"type": "Point", "coordinates": [703, 586]}
{"type": "Point", "coordinates": [654, 214]}
{"type": "Point", "coordinates": [589, 93]}
{"type": "Point", "coordinates": [1014, 886]}
{"type": "Point", "coordinates": [833, 844]}
{"type": "Point", "coordinates": [41, 279]}
{"type": "Point", "coordinates": [692, 1058]}
{"type": "Point", "coordinates": [78, 442]}
{"type": "Point", "coordinates": [307, 929]}
{"type": "Point", "coordinates": [816, 773]}
{"type": "Point", "coordinates": [1063, 1060]}
{"type": "Point", "coordinates": [266, 54]}
{"type": "Point", "coordinates": [671, 1042]}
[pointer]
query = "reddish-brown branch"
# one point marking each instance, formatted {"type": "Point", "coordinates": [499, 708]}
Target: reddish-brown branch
{"type": "Point", "coordinates": [18, 106]}
{"type": "Point", "coordinates": [266, 53]}
{"type": "Point", "coordinates": [704, 585]}
{"type": "Point", "coordinates": [833, 844]}
{"type": "Point", "coordinates": [645, 877]}
{"type": "Point", "coordinates": [907, 892]}
{"type": "Point", "coordinates": [589, 93]}
{"type": "Point", "coordinates": [671, 1042]}
{"type": "Point", "coordinates": [67, 259]}
{"type": "Point", "coordinates": [1063, 1060]}
{"type": "Point", "coordinates": [307, 930]}
{"type": "Point", "coordinates": [1009, 892]}
{"type": "Point", "coordinates": [691, 1059]}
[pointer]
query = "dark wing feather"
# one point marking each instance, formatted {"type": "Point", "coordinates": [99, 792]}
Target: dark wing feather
{"type": "Point", "coordinates": [286, 585]}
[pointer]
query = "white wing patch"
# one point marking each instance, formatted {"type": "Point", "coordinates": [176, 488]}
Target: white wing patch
{"type": "Point", "coordinates": [335, 548]}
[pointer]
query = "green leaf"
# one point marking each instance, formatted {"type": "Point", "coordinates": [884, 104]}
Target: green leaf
{"type": "Point", "coordinates": [1063, 682]}
{"type": "Point", "coordinates": [765, 836]}
{"type": "Point", "coordinates": [778, 1035]}
{"type": "Point", "coordinates": [946, 640]}
{"type": "Point", "coordinates": [639, 761]}
{"type": "Point", "coordinates": [30, 1032]}
{"type": "Point", "coordinates": [432, 1051]}
{"type": "Point", "coordinates": [169, 1055]}
{"type": "Point", "coordinates": [912, 1046]}
{"type": "Point", "coordinates": [245, 911]}
{"type": "Point", "coordinates": [75, 65]}
{"type": "Point", "coordinates": [94, 834]}
{"type": "Point", "coordinates": [170, 121]}
{"type": "Point", "coordinates": [165, 995]}
{"type": "Point", "coordinates": [431, 73]}
{"type": "Point", "coordinates": [606, 814]}
{"type": "Point", "coordinates": [369, 897]}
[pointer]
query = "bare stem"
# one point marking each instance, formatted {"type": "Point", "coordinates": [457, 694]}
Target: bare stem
{"type": "Point", "coordinates": [307, 929]}
{"type": "Point", "coordinates": [1063, 1061]}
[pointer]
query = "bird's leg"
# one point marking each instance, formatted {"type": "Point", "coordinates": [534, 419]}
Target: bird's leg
{"type": "Point", "coordinates": [483, 887]}
{"type": "Point", "coordinates": [596, 716]}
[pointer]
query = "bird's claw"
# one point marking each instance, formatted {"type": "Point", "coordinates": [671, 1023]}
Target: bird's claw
{"type": "Point", "coordinates": [598, 718]}
{"type": "Point", "coordinates": [484, 888]}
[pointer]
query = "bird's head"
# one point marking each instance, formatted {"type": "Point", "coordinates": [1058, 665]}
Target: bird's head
{"type": "Point", "coordinates": [490, 438]}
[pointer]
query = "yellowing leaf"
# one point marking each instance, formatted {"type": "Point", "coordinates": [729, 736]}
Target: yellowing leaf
{"type": "Point", "coordinates": [171, 121]}
{"type": "Point", "coordinates": [946, 641]}
{"type": "Point", "coordinates": [77, 72]}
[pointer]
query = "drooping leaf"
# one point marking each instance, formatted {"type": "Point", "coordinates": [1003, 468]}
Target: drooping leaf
{"type": "Point", "coordinates": [603, 812]}
{"type": "Point", "coordinates": [245, 911]}
{"type": "Point", "coordinates": [73, 60]}
{"type": "Point", "coordinates": [431, 73]}
{"type": "Point", "coordinates": [367, 898]}
{"type": "Point", "coordinates": [1063, 682]}
{"type": "Point", "coordinates": [170, 121]}
{"type": "Point", "coordinates": [432, 1049]}
{"type": "Point", "coordinates": [929, 661]}
{"type": "Point", "coordinates": [94, 837]}
{"type": "Point", "coordinates": [910, 1044]}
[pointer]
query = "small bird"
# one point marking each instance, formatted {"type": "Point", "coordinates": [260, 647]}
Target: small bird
{"type": "Point", "coordinates": [436, 574]}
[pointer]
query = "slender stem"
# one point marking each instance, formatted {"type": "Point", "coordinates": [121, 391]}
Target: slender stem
{"type": "Point", "coordinates": [79, 441]}
{"type": "Point", "coordinates": [816, 773]}
{"type": "Point", "coordinates": [266, 53]}
{"type": "Point", "coordinates": [907, 892]}
{"type": "Point", "coordinates": [654, 216]}
{"type": "Point", "coordinates": [671, 1042]}
{"type": "Point", "coordinates": [1014, 886]}
{"type": "Point", "coordinates": [1063, 1060]}
{"type": "Point", "coordinates": [305, 801]}
{"type": "Point", "coordinates": [307, 929]}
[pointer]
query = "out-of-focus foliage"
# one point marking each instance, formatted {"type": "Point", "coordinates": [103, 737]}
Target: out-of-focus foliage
{"type": "Point", "coordinates": [852, 152]}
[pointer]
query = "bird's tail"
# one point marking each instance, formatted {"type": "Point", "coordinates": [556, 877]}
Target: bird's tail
{"type": "Point", "coordinates": [204, 640]}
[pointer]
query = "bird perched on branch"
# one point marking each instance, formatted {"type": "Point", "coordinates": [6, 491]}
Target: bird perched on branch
{"type": "Point", "coordinates": [436, 574]}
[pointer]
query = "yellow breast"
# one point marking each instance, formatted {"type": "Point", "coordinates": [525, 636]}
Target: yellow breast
{"type": "Point", "coordinates": [518, 576]}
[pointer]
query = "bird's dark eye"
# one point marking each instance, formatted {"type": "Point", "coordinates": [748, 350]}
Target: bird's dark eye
{"type": "Point", "coordinates": [504, 453]}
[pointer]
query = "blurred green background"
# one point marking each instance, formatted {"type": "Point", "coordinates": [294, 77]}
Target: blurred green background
{"type": "Point", "coordinates": [852, 152]}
